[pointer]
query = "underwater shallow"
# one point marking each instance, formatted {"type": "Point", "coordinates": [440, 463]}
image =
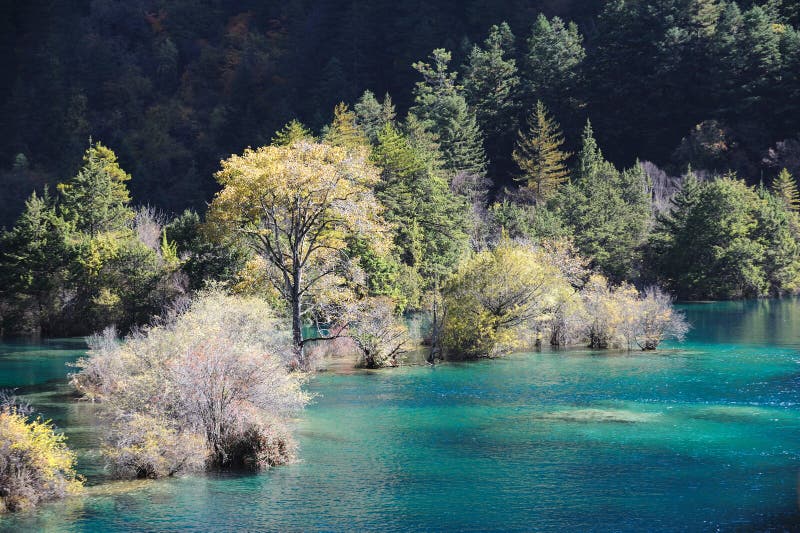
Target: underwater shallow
{"type": "Point", "coordinates": [703, 435]}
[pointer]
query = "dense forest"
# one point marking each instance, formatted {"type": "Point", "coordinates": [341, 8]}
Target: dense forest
{"type": "Point", "coordinates": [174, 86]}
{"type": "Point", "coordinates": [650, 143]}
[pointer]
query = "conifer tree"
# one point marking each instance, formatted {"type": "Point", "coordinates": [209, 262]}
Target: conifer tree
{"type": "Point", "coordinates": [553, 64]}
{"type": "Point", "coordinates": [491, 82]}
{"type": "Point", "coordinates": [539, 156]}
{"type": "Point", "coordinates": [372, 115]}
{"type": "Point", "coordinates": [430, 223]}
{"type": "Point", "coordinates": [590, 157]}
{"type": "Point", "coordinates": [292, 132]}
{"type": "Point", "coordinates": [607, 211]}
{"type": "Point", "coordinates": [96, 199]}
{"type": "Point", "coordinates": [34, 260]}
{"type": "Point", "coordinates": [344, 131]}
{"type": "Point", "coordinates": [442, 108]}
{"type": "Point", "coordinates": [785, 188]}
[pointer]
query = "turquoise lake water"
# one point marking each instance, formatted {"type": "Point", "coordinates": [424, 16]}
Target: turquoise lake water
{"type": "Point", "coordinates": [702, 436]}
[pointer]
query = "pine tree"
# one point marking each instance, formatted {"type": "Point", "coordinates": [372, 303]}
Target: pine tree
{"type": "Point", "coordinates": [785, 188]}
{"type": "Point", "coordinates": [704, 15]}
{"type": "Point", "coordinates": [96, 199]}
{"type": "Point", "coordinates": [372, 115]}
{"type": "Point", "coordinates": [590, 157]}
{"type": "Point", "coordinates": [553, 64]}
{"type": "Point", "coordinates": [539, 156]}
{"type": "Point", "coordinates": [607, 211]}
{"type": "Point", "coordinates": [344, 130]}
{"type": "Point", "coordinates": [491, 82]}
{"type": "Point", "coordinates": [34, 260]}
{"type": "Point", "coordinates": [443, 110]}
{"type": "Point", "coordinates": [292, 132]}
{"type": "Point", "coordinates": [430, 222]}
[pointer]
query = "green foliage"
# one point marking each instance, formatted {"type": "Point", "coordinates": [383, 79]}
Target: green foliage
{"type": "Point", "coordinates": [539, 156]}
{"type": "Point", "coordinates": [522, 220]}
{"type": "Point", "coordinates": [552, 67]}
{"type": "Point", "coordinates": [785, 188]}
{"type": "Point", "coordinates": [779, 233]}
{"type": "Point", "coordinates": [292, 132]}
{"type": "Point", "coordinates": [96, 199]}
{"type": "Point", "coordinates": [93, 266]}
{"type": "Point", "coordinates": [428, 219]}
{"type": "Point", "coordinates": [606, 211]}
{"type": "Point", "coordinates": [372, 115]}
{"type": "Point", "coordinates": [723, 240]}
{"type": "Point", "coordinates": [491, 82]}
{"type": "Point", "coordinates": [203, 258]}
{"type": "Point", "coordinates": [441, 106]}
{"type": "Point", "coordinates": [35, 261]}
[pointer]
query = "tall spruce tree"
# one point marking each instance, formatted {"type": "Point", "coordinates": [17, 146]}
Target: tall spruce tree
{"type": "Point", "coordinates": [96, 199]}
{"type": "Point", "coordinates": [429, 219]}
{"type": "Point", "coordinates": [607, 211]}
{"type": "Point", "coordinates": [539, 155]}
{"type": "Point", "coordinates": [491, 82]}
{"type": "Point", "coordinates": [35, 257]}
{"type": "Point", "coordinates": [441, 106]}
{"type": "Point", "coordinates": [553, 66]}
{"type": "Point", "coordinates": [372, 115]}
{"type": "Point", "coordinates": [785, 188]}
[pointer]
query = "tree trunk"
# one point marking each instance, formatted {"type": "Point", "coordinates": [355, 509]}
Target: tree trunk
{"type": "Point", "coordinates": [435, 347]}
{"type": "Point", "coordinates": [297, 328]}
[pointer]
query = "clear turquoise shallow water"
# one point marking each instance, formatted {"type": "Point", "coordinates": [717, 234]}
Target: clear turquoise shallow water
{"type": "Point", "coordinates": [702, 436]}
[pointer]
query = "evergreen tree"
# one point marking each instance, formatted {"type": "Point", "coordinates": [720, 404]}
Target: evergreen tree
{"type": "Point", "coordinates": [491, 82]}
{"type": "Point", "coordinates": [539, 156]}
{"type": "Point", "coordinates": [292, 132]}
{"type": "Point", "coordinates": [372, 115]}
{"type": "Point", "coordinates": [606, 211]}
{"type": "Point", "coordinates": [778, 231]}
{"type": "Point", "coordinates": [429, 219]}
{"type": "Point", "coordinates": [442, 108]}
{"type": "Point", "coordinates": [708, 247]}
{"type": "Point", "coordinates": [344, 130]}
{"type": "Point", "coordinates": [34, 267]}
{"type": "Point", "coordinates": [590, 157]}
{"type": "Point", "coordinates": [553, 66]}
{"type": "Point", "coordinates": [96, 199]}
{"type": "Point", "coordinates": [785, 188]}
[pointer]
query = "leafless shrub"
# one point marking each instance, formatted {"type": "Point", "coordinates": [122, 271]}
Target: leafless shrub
{"type": "Point", "coordinates": [621, 317]}
{"type": "Point", "coordinates": [9, 401]}
{"type": "Point", "coordinates": [378, 333]}
{"type": "Point", "coordinates": [216, 371]}
{"type": "Point", "coordinates": [663, 187]}
{"type": "Point", "coordinates": [656, 320]}
{"type": "Point", "coordinates": [149, 222]}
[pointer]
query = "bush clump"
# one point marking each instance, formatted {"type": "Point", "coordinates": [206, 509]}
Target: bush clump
{"type": "Point", "coordinates": [520, 295]}
{"type": "Point", "coordinates": [35, 463]}
{"type": "Point", "coordinates": [206, 387]}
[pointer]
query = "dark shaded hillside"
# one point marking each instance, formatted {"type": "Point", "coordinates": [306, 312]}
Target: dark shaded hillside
{"type": "Point", "coordinates": [175, 85]}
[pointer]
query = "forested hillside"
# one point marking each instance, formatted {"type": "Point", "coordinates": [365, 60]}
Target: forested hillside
{"type": "Point", "coordinates": [173, 86]}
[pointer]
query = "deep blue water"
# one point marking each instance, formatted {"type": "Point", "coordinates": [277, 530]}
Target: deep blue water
{"type": "Point", "coordinates": [702, 436]}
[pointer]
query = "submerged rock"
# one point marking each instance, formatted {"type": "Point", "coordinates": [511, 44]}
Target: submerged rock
{"type": "Point", "coordinates": [619, 416]}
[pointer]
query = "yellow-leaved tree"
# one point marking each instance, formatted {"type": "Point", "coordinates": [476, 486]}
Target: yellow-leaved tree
{"type": "Point", "coordinates": [498, 299]}
{"type": "Point", "coordinates": [297, 206]}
